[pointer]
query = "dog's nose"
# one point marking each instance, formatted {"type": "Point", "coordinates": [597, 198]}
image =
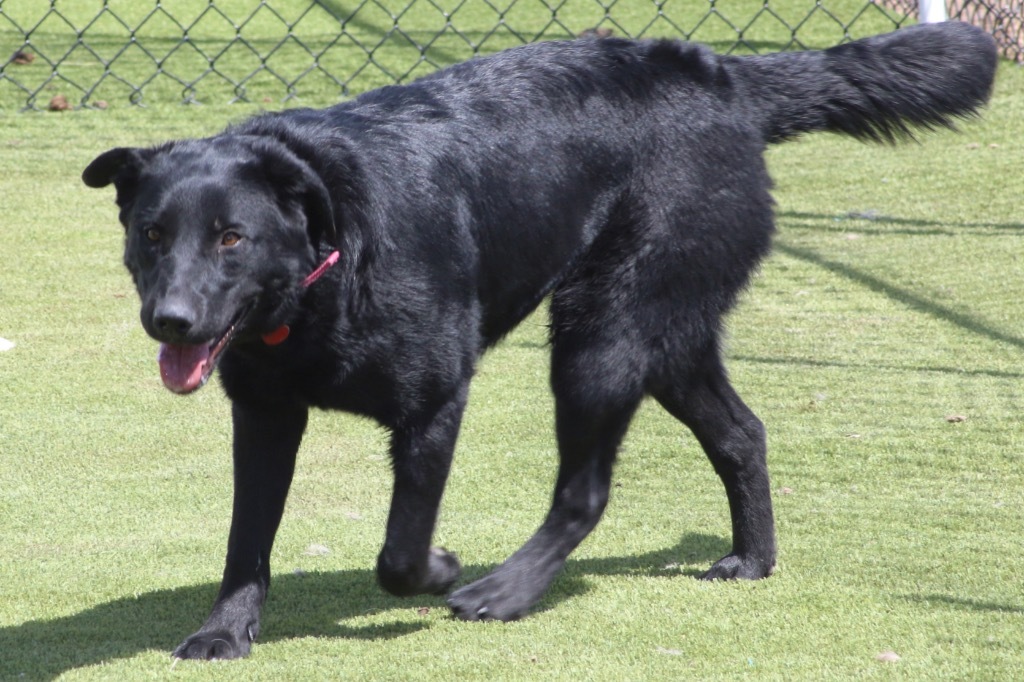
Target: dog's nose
{"type": "Point", "coordinates": [173, 322]}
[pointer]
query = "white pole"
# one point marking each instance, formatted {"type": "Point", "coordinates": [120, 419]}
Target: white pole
{"type": "Point", "coordinates": [931, 11]}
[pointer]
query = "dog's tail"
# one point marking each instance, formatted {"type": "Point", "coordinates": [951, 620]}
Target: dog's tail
{"type": "Point", "coordinates": [878, 88]}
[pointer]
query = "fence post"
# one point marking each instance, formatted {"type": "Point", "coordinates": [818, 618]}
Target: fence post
{"type": "Point", "coordinates": [931, 11]}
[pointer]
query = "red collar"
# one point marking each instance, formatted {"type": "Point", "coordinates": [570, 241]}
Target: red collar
{"type": "Point", "coordinates": [281, 333]}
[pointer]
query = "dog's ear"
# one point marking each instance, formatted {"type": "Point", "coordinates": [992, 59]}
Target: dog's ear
{"type": "Point", "coordinates": [121, 166]}
{"type": "Point", "coordinates": [319, 210]}
{"type": "Point", "coordinates": [112, 164]}
{"type": "Point", "coordinates": [295, 181]}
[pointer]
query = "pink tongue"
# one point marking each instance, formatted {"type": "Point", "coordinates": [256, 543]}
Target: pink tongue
{"type": "Point", "coordinates": [181, 367]}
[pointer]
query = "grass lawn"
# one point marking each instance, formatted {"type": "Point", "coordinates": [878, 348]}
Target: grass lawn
{"type": "Point", "coordinates": [881, 344]}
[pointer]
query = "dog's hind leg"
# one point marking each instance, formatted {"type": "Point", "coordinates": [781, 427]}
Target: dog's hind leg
{"type": "Point", "coordinates": [734, 440]}
{"type": "Point", "coordinates": [597, 392]}
{"type": "Point", "coordinates": [265, 444]}
{"type": "Point", "coordinates": [421, 452]}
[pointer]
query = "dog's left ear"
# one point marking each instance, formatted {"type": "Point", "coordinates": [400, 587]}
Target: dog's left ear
{"type": "Point", "coordinates": [295, 181]}
{"type": "Point", "coordinates": [316, 200]}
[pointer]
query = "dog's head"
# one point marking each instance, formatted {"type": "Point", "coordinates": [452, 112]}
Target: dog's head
{"type": "Point", "coordinates": [220, 233]}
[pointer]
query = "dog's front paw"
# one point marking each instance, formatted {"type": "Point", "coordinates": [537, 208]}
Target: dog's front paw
{"type": "Point", "coordinates": [404, 578]}
{"type": "Point", "coordinates": [490, 598]}
{"type": "Point", "coordinates": [445, 569]}
{"type": "Point", "coordinates": [215, 645]}
{"type": "Point", "coordinates": [735, 567]}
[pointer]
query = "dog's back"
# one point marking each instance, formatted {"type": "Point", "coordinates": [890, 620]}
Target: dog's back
{"type": "Point", "coordinates": [877, 88]}
{"type": "Point", "coordinates": [600, 134]}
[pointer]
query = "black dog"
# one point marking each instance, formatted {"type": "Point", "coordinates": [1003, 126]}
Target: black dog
{"type": "Point", "coordinates": [624, 179]}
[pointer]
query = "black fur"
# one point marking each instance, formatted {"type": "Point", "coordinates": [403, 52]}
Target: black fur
{"type": "Point", "coordinates": [624, 179]}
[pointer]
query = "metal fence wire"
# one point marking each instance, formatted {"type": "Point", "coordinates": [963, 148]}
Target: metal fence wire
{"type": "Point", "coordinates": [66, 54]}
{"type": "Point", "coordinates": [1004, 19]}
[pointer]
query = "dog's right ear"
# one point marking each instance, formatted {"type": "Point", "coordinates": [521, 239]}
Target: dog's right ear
{"type": "Point", "coordinates": [112, 164]}
{"type": "Point", "coordinates": [121, 166]}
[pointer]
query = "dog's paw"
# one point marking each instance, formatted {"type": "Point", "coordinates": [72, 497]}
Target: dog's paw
{"type": "Point", "coordinates": [734, 567]}
{"type": "Point", "coordinates": [490, 598]}
{"type": "Point", "coordinates": [404, 579]}
{"type": "Point", "coordinates": [445, 569]}
{"type": "Point", "coordinates": [217, 645]}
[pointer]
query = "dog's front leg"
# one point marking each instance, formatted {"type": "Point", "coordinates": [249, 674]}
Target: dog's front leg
{"type": "Point", "coordinates": [422, 454]}
{"type": "Point", "coordinates": [265, 443]}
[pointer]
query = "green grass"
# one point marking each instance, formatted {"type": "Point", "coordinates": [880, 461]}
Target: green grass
{"type": "Point", "coordinates": [893, 301]}
{"type": "Point", "coordinates": [128, 51]}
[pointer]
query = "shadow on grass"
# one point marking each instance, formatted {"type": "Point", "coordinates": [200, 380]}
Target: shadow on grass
{"type": "Point", "coordinates": [903, 296]}
{"type": "Point", "coordinates": [874, 366]}
{"type": "Point", "coordinates": [962, 603]}
{"type": "Point", "coordinates": [299, 606]}
{"type": "Point", "coordinates": [886, 225]}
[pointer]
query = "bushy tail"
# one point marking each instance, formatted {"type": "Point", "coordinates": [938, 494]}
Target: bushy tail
{"type": "Point", "coordinates": [879, 88]}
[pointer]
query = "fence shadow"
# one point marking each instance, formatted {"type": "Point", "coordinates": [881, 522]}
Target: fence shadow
{"type": "Point", "coordinates": [903, 296]}
{"type": "Point", "coordinates": [875, 366]}
{"type": "Point", "coordinates": [964, 603]}
{"type": "Point", "coordinates": [888, 225]}
{"type": "Point", "coordinates": [159, 620]}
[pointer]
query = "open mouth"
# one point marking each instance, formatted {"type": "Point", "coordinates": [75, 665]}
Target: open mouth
{"type": "Point", "coordinates": [185, 368]}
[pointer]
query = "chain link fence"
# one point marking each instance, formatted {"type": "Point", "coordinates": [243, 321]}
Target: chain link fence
{"type": "Point", "coordinates": [65, 54]}
{"type": "Point", "coordinates": [1004, 19]}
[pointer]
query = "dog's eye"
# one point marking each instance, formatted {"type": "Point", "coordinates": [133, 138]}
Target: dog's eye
{"type": "Point", "coordinates": [152, 234]}
{"type": "Point", "coordinates": [230, 239]}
